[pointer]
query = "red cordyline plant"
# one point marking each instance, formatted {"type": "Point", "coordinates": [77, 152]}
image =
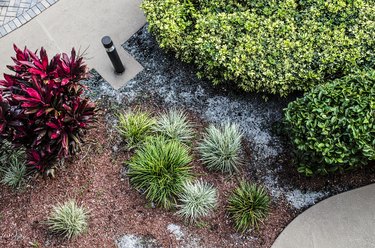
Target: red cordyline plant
{"type": "Point", "coordinates": [42, 107]}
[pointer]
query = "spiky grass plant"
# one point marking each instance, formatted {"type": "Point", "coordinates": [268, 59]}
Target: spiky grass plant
{"type": "Point", "coordinates": [68, 219]}
{"type": "Point", "coordinates": [221, 147]}
{"type": "Point", "coordinates": [197, 200]}
{"type": "Point", "coordinates": [135, 126]}
{"type": "Point", "coordinates": [248, 205]}
{"type": "Point", "coordinates": [160, 168]}
{"type": "Point", "coordinates": [14, 175]}
{"type": "Point", "coordinates": [174, 124]}
{"type": "Point", "coordinates": [8, 153]}
{"type": "Point", "coordinates": [12, 164]}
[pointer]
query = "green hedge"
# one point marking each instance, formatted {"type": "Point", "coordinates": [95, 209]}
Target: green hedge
{"type": "Point", "coordinates": [270, 46]}
{"type": "Point", "coordinates": [333, 126]}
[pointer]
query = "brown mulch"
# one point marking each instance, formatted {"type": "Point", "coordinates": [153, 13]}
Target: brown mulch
{"type": "Point", "coordinates": [93, 178]}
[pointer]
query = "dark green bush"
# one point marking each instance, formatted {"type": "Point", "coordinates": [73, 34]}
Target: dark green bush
{"type": "Point", "coordinates": [333, 126]}
{"type": "Point", "coordinates": [273, 46]}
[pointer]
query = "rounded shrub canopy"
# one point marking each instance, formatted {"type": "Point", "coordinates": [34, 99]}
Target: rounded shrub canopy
{"type": "Point", "coordinates": [269, 46]}
{"type": "Point", "coordinates": [333, 126]}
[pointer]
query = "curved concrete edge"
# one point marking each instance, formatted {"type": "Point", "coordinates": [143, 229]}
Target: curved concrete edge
{"type": "Point", "coordinates": [346, 220]}
{"type": "Point", "coordinates": [81, 24]}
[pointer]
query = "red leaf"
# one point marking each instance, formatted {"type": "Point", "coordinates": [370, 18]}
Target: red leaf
{"type": "Point", "coordinates": [9, 79]}
{"type": "Point", "coordinates": [52, 125]}
{"type": "Point", "coordinates": [35, 155]}
{"type": "Point", "coordinates": [67, 108]}
{"type": "Point", "coordinates": [29, 104]}
{"type": "Point", "coordinates": [35, 58]}
{"type": "Point", "coordinates": [55, 135]}
{"type": "Point", "coordinates": [64, 67]}
{"type": "Point", "coordinates": [65, 58]}
{"type": "Point", "coordinates": [65, 81]}
{"type": "Point", "coordinates": [16, 49]}
{"type": "Point", "coordinates": [27, 63]}
{"type": "Point", "coordinates": [41, 112]}
{"type": "Point", "coordinates": [39, 72]}
{"type": "Point", "coordinates": [44, 58]}
{"type": "Point", "coordinates": [33, 93]}
{"type": "Point", "coordinates": [22, 98]}
{"type": "Point", "coordinates": [73, 54]}
{"type": "Point", "coordinates": [65, 141]}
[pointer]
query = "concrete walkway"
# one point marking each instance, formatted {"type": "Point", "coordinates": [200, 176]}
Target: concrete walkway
{"type": "Point", "coordinates": [346, 220]}
{"type": "Point", "coordinates": [81, 24]}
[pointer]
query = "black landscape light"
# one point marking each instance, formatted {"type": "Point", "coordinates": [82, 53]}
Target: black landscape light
{"type": "Point", "coordinates": [112, 54]}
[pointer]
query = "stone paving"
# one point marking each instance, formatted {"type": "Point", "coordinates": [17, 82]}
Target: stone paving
{"type": "Point", "coordinates": [15, 13]}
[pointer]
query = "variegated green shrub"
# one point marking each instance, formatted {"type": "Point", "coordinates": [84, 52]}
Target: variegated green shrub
{"type": "Point", "coordinates": [269, 46]}
{"type": "Point", "coordinates": [333, 126]}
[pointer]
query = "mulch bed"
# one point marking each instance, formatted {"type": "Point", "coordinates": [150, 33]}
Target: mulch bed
{"type": "Point", "coordinates": [95, 179]}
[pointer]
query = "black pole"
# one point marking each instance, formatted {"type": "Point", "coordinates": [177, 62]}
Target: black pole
{"type": "Point", "coordinates": [112, 54]}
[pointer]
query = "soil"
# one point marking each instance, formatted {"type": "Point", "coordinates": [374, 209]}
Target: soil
{"type": "Point", "coordinates": [96, 177]}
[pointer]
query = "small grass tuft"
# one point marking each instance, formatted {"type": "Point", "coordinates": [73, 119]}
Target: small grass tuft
{"type": "Point", "coordinates": [221, 147]}
{"type": "Point", "coordinates": [14, 175]}
{"type": "Point", "coordinates": [135, 127]}
{"type": "Point", "coordinates": [248, 205]}
{"type": "Point", "coordinates": [197, 199]}
{"type": "Point", "coordinates": [175, 125]}
{"type": "Point", "coordinates": [12, 164]}
{"type": "Point", "coordinates": [68, 219]}
{"type": "Point", "coordinates": [8, 153]}
{"type": "Point", "coordinates": [160, 167]}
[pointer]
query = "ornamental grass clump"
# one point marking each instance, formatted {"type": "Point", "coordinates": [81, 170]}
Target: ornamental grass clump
{"type": "Point", "coordinates": [248, 206]}
{"type": "Point", "coordinates": [220, 148]}
{"type": "Point", "coordinates": [174, 124]}
{"type": "Point", "coordinates": [12, 164]}
{"type": "Point", "coordinates": [42, 106]}
{"type": "Point", "coordinates": [8, 152]}
{"type": "Point", "coordinates": [68, 219]}
{"type": "Point", "coordinates": [160, 167]}
{"type": "Point", "coordinates": [14, 174]}
{"type": "Point", "coordinates": [197, 200]}
{"type": "Point", "coordinates": [135, 127]}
